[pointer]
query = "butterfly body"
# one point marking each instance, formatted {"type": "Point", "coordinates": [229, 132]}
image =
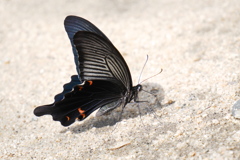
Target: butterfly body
{"type": "Point", "coordinates": [103, 82]}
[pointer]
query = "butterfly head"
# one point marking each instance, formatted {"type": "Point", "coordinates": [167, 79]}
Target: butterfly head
{"type": "Point", "coordinates": [138, 88]}
{"type": "Point", "coordinates": [135, 91]}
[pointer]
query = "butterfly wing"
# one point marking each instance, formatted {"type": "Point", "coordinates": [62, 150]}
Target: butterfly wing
{"type": "Point", "coordinates": [81, 102]}
{"type": "Point", "coordinates": [68, 87]}
{"type": "Point", "coordinates": [100, 60]}
{"type": "Point", "coordinates": [72, 25]}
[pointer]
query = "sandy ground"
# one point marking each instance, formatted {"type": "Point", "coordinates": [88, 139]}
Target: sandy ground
{"type": "Point", "coordinates": [196, 43]}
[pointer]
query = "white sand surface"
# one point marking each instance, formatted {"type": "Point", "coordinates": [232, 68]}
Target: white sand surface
{"type": "Point", "coordinates": [196, 43]}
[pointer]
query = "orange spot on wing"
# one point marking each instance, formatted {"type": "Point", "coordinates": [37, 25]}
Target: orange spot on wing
{"type": "Point", "coordinates": [81, 112]}
{"type": "Point", "coordinates": [90, 82]}
{"type": "Point", "coordinates": [80, 88]}
{"type": "Point", "coordinates": [68, 118]}
{"type": "Point", "coordinates": [83, 115]}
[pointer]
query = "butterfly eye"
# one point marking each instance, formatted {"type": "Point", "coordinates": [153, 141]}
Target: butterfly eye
{"type": "Point", "coordinates": [139, 87]}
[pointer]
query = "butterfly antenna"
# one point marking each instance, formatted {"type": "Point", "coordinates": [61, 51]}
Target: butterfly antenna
{"type": "Point", "coordinates": [142, 70]}
{"type": "Point", "coordinates": [152, 76]}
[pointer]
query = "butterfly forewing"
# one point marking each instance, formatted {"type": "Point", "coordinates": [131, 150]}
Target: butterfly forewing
{"type": "Point", "coordinates": [72, 25]}
{"type": "Point", "coordinates": [100, 60]}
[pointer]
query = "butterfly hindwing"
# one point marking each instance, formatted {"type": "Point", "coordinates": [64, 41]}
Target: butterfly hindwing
{"type": "Point", "coordinates": [82, 101]}
{"type": "Point", "coordinates": [68, 87]}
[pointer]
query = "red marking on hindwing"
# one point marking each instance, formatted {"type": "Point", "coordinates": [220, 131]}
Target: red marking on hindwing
{"type": "Point", "coordinates": [90, 82]}
{"type": "Point", "coordinates": [80, 88]}
{"type": "Point", "coordinates": [81, 112]}
{"type": "Point", "coordinates": [68, 118]}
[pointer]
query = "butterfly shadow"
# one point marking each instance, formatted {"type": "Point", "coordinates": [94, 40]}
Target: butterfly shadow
{"type": "Point", "coordinates": [149, 102]}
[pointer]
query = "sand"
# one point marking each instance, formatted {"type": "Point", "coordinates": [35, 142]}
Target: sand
{"type": "Point", "coordinates": [196, 43]}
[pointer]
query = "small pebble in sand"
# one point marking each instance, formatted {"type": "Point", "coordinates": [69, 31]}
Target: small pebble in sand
{"type": "Point", "coordinates": [236, 110]}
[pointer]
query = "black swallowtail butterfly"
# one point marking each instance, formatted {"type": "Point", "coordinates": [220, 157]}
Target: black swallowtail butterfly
{"type": "Point", "coordinates": [103, 81]}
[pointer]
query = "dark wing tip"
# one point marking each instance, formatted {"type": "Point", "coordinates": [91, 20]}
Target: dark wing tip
{"type": "Point", "coordinates": [73, 24]}
{"type": "Point", "coordinates": [42, 110]}
{"type": "Point", "coordinates": [70, 18]}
